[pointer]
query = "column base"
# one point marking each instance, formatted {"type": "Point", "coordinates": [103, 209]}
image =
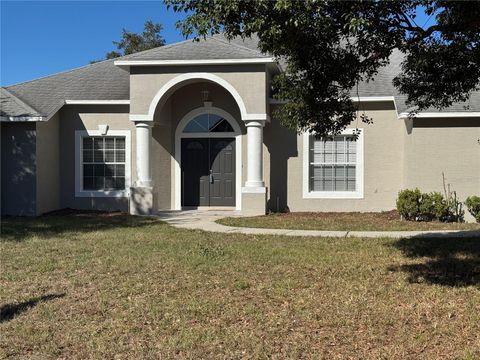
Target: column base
{"type": "Point", "coordinates": [141, 200]}
{"type": "Point", "coordinates": [254, 184]}
{"type": "Point", "coordinates": [254, 200]}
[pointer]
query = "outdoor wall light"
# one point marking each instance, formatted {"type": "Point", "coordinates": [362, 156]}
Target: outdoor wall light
{"type": "Point", "coordinates": [205, 95]}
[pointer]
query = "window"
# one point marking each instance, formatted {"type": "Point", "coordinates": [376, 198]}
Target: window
{"type": "Point", "coordinates": [208, 123]}
{"type": "Point", "coordinates": [102, 163]}
{"type": "Point", "coordinates": [333, 166]}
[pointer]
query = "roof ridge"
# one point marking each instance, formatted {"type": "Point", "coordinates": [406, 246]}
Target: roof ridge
{"type": "Point", "coordinates": [226, 41]}
{"type": "Point", "coordinates": [20, 101]}
{"type": "Point", "coordinates": [168, 46]}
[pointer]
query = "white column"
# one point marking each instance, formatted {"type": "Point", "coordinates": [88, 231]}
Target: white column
{"type": "Point", "coordinates": [144, 166]}
{"type": "Point", "coordinates": [254, 153]}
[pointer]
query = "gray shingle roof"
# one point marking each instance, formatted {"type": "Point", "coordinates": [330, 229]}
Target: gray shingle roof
{"type": "Point", "coordinates": [105, 81]}
{"type": "Point", "coordinates": [12, 106]}
{"type": "Point", "coordinates": [211, 48]}
{"type": "Point", "coordinates": [99, 81]}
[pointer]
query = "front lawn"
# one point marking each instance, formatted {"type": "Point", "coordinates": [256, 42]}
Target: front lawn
{"type": "Point", "coordinates": [104, 287]}
{"type": "Point", "coordinates": [374, 221]}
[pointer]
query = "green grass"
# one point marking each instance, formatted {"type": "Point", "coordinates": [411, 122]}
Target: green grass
{"type": "Point", "coordinates": [96, 287]}
{"type": "Point", "coordinates": [384, 221]}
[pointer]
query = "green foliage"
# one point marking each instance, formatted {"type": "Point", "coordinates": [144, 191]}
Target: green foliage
{"type": "Point", "coordinates": [408, 204]}
{"type": "Point", "coordinates": [331, 46]}
{"type": "Point", "coordinates": [132, 42]}
{"type": "Point", "coordinates": [433, 207]}
{"type": "Point", "coordinates": [473, 206]}
{"type": "Point", "coordinates": [418, 206]}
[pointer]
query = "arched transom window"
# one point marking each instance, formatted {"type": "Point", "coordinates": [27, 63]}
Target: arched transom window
{"type": "Point", "coordinates": [208, 123]}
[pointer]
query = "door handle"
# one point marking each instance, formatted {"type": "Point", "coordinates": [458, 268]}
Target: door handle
{"type": "Point", "coordinates": [211, 177]}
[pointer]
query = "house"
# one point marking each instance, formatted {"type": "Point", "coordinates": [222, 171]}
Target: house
{"type": "Point", "coordinates": [190, 125]}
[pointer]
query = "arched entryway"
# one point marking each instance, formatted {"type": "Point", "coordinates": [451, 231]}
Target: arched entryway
{"type": "Point", "coordinates": [208, 160]}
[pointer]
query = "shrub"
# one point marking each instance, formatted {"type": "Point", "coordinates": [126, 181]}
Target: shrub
{"type": "Point", "coordinates": [473, 206]}
{"type": "Point", "coordinates": [415, 205]}
{"type": "Point", "coordinates": [433, 207]}
{"type": "Point", "coordinates": [408, 204]}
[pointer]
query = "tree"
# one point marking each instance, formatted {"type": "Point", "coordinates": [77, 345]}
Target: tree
{"type": "Point", "coordinates": [132, 42]}
{"type": "Point", "coordinates": [331, 46]}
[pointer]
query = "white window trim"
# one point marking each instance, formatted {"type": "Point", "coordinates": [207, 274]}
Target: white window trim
{"type": "Point", "coordinates": [79, 192]}
{"type": "Point", "coordinates": [357, 194]}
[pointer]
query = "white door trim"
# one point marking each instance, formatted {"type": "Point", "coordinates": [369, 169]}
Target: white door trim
{"type": "Point", "coordinates": [237, 134]}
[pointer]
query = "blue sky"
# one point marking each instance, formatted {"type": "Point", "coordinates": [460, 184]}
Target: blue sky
{"type": "Point", "coordinates": [40, 38]}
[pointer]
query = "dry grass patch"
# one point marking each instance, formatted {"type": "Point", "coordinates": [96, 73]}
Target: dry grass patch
{"type": "Point", "coordinates": [101, 287]}
{"type": "Point", "coordinates": [351, 221]}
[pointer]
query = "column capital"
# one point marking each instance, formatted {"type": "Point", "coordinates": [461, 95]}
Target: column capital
{"type": "Point", "coordinates": [255, 123]}
{"type": "Point", "coordinates": [143, 124]}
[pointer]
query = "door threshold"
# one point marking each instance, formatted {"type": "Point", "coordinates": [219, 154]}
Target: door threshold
{"type": "Point", "coordinates": [210, 208]}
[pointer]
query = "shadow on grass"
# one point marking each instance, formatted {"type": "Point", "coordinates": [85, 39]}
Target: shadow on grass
{"type": "Point", "coordinates": [445, 260]}
{"type": "Point", "coordinates": [18, 229]}
{"type": "Point", "coordinates": [9, 311]}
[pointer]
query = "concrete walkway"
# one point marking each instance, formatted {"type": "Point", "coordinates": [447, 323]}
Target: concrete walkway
{"type": "Point", "coordinates": [205, 220]}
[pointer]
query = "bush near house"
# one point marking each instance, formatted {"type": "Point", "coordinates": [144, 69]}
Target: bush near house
{"type": "Point", "coordinates": [473, 206]}
{"type": "Point", "coordinates": [418, 206]}
{"type": "Point", "coordinates": [408, 204]}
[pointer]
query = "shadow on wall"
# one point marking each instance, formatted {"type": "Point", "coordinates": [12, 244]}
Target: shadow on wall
{"type": "Point", "coordinates": [282, 145]}
{"type": "Point", "coordinates": [18, 168]}
{"type": "Point", "coordinates": [64, 222]}
{"type": "Point", "coordinates": [444, 260]}
{"type": "Point", "coordinates": [10, 311]}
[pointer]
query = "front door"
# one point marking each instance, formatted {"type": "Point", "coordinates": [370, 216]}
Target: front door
{"type": "Point", "coordinates": [208, 172]}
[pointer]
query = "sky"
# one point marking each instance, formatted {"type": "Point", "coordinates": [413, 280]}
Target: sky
{"type": "Point", "coordinates": [40, 38]}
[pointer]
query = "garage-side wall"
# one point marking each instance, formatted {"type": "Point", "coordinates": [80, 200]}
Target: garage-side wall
{"type": "Point", "coordinates": [48, 165]}
{"type": "Point", "coordinates": [82, 117]}
{"type": "Point", "coordinates": [444, 146]}
{"type": "Point", "coordinates": [18, 168]}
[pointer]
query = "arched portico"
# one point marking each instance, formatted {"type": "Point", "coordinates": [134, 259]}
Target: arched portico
{"type": "Point", "coordinates": [254, 184]}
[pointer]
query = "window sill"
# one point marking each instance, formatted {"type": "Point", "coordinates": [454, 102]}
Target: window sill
{"type": "Point", "coordinates": [333, 195]}
{"type": "Point", "coordinates": [109, 194]}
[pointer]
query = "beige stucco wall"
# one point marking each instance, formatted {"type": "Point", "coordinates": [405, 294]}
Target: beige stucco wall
{"type": "Point", "coordinates": [398, 154]}
{"type": "Point", "coordinates": [383, 165]}
{"type": "Point", "coordinates": [48, 165]}
{"type": "Point", "coordinates": [448, 146]}
{"type": "Point", "coordinates": [81, 117]}
{"type": "Point", "coordinates": [249, 81]}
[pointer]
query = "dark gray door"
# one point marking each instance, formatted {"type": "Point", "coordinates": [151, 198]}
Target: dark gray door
{"type": "Point", "coordinates": [222, 169]}
{"type": "Point", "coordinates": [208, 172]}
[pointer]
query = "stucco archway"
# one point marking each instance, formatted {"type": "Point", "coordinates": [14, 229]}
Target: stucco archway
{"type": "Point", "coordinates": [184, 79]}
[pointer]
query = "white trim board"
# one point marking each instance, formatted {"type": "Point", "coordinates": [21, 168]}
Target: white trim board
{"type": "Point", "coordinates": [372, 98]}
{"type": "Point", "coordinates": [460, 114]}
{"type": "Point", "coordinates": [79, 134]}
{"type": "Point", "coordinates": [127, 63]}
{"type": "Point", "coordinates": [237, 134]}
{"type": "Point", "coordinates": [21, 118]}
{"type": "Point", "coordinates": [353, 98]}
{"type": "Point", "coordinates": [357, 194]}
{"type": "Point", "coordinates": [97, 102]}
